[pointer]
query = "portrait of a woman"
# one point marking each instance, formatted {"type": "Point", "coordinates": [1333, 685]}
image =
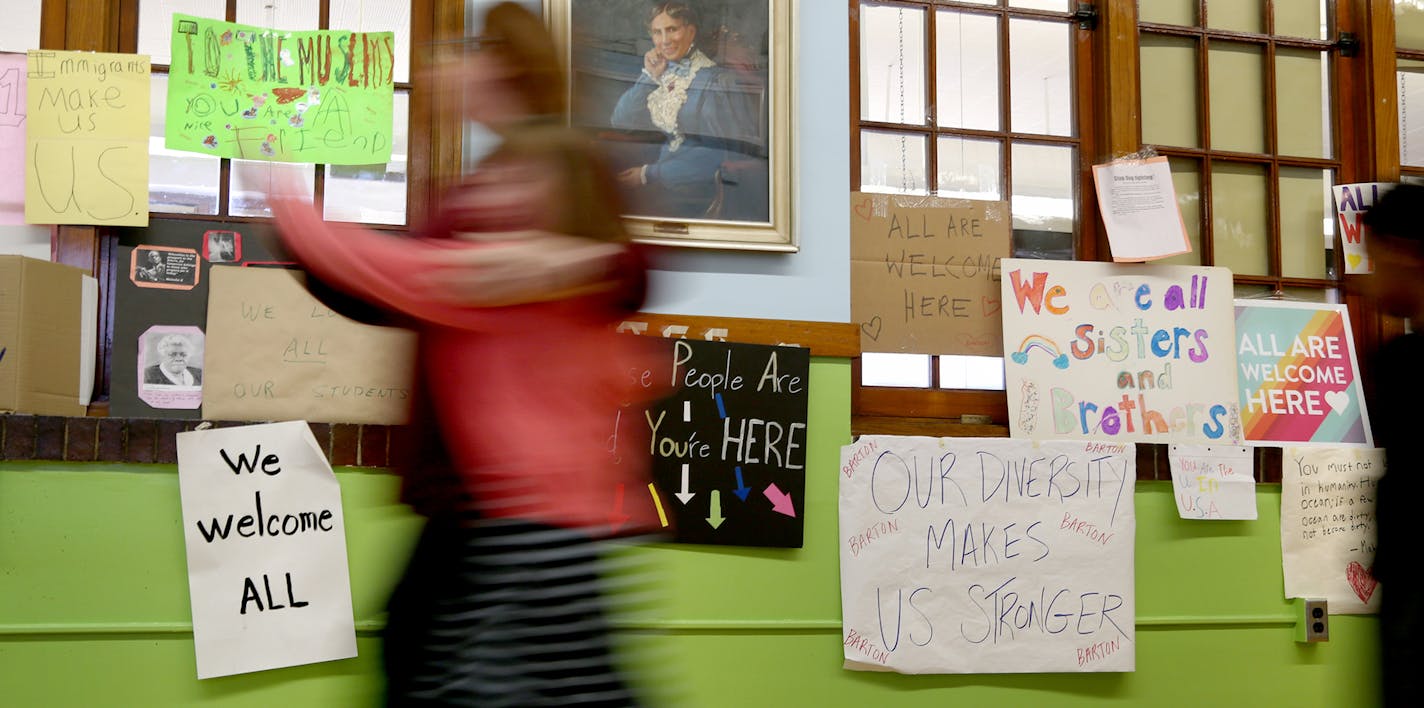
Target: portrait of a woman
{"type": "Point", "coordinates": [706, 111]}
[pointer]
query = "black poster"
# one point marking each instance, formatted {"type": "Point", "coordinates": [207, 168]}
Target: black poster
{"type": "Point", "coordinates": [161, 308]}
{"type": "Point", "coordinates": [729, 446]}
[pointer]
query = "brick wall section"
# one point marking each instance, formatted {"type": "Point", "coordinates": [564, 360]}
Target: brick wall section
{"type": "Point", "coordinates": [123, 440]}
{"type": "Point", "coordinates": [30, 437]}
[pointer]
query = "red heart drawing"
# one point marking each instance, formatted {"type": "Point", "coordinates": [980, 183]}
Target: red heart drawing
{"type": "Point", "coordinates": [862, 209]}
{"type": "Point", "coordinates": [990, 305]}
{"type": "Point", "coordinates": [1361, 580]}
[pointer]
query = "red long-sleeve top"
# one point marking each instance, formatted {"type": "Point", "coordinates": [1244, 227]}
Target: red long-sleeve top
{"type": "Point", "coordinates": [525, 396]}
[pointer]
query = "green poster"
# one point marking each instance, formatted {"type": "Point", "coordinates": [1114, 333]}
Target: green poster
{"type": "Point", "coordinates": [321, 96]}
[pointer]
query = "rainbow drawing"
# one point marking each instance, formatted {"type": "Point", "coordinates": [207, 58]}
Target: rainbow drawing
{"type": "Point", "coordinates": [1038, 341]}
{"type": "Point", "coordinates": [1297, 375]}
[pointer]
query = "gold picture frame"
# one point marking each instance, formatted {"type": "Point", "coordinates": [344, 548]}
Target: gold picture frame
{"type": "Point", "coordinates": [732, 130]}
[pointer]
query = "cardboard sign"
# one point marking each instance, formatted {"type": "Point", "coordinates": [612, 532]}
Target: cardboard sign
{"type": "Point", "coordinates": [1328, 525]}
{"type": "Point", "coordinates": [42, 338]}
{"type": "Point", "coordinates": [965, 555]}
{"type": "Point", "coordinates": [1351, 203]}
{"type": "Point", "coordinates": [1213, 482]}
{"type": "Point", "coordinates": [924, 273]}
{"type": "Point", "coordinates": [264, 531]}
{"type": "Point", "coordinates": [86, 135]}
{"type": "Point", "coordinates": [1120, 352]}
{"type": "Point", "coordinates": [274, 351]}
{"type": "Point", "coordinates": [322, 96]}
{"type": "Point", "coordinates": [12, 138]}
{"type": "Point", "coordinates": [728, 447]}
{"type": "Point", "coordinates": [1300, 382]}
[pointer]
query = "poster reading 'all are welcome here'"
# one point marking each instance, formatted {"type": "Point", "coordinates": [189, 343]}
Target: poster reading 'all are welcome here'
{"type": "Point", "coordinates": [248, 92]}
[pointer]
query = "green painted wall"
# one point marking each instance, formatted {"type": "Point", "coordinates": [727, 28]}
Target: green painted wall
{"type": "Point", "coordinates": [94, 606]}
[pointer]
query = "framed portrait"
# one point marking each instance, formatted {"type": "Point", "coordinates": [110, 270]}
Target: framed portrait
{"type": "Point", "coordinates": [691, 102]}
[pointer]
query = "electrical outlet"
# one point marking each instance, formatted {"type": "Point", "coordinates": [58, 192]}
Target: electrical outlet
{"type": "Point", "coordinates": [1313, 622]}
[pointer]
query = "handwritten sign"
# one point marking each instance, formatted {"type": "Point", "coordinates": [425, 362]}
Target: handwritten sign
{"type": "Point", "coordinates": [1138, 203]}
{"type": "Point", "coordinates": [262, 94]}
{"type": "Point", "coordinates": [86, 134]}
{"type": "Point", "coordinates": [728, 447]}
{"type": "Point", "coordinates": [12, 138]}
{"type": "Point", "coordinates": [964, 555]}
{"type": "Point", "coordinates": [266, 546]}
{"type": "Point", "coordinates": [276, 352]}
{"type": "Point", "coordinates": [1213, 482]}
{"type": "Point", "coordinates": [924, 273]}
{"type": "Point", "coordinates": [1351, 203]}
{"type": "Point", "coordinates": [1328, 525]}
{"type": "Point", "coordinates": [1121, 352]}
{"type": "Point", "coordinates": [1299, 379]}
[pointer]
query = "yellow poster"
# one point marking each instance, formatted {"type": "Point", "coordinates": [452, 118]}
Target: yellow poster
{"type": "Point", "coordinates": [86, 143]}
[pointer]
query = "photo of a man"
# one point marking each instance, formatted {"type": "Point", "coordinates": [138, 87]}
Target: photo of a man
{"type": "Point", "coordinates": [172, 357]}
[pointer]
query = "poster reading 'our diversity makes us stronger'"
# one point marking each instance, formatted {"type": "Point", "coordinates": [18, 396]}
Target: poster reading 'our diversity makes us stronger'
{"type": "Point", "coordinates": [248, 92]}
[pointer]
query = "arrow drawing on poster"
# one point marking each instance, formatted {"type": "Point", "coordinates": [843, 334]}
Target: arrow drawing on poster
{"type": "Point", "coordinates": [662, 515]}
{"type": "Point", "coordinates": [742, 490]}
{"type": "Point", "coordinates": [780, 502]}
{"type": "Point", "coordinates": [618, 518]}
{"type": "Point", "coordinates": [684, 496]}
{"type": "Point", "coordinates": [714, 517]}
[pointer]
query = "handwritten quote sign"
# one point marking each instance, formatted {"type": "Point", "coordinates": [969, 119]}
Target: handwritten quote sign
{"type": "Point", "coordinates": [924, 273]}
{"type": "Point", "coordinates": [1213, 482]}
{"type": "Point", "coordinates": [86, 138]}
{"type": "Point", "coordinates": [263, 94]}
{"type": "Point", "coordinates": [1351, 203]}
{"type": "Point", "coordinates": [275, 352]}
{"type": "Point", "coordinates": [965, 555]}
{"type": "Point", "coordinates": [266, 546]}
{"type": "Point", "coordinates": [12, 138]}
{"type": "Point", "coordinates": [1120, 352]}
{"type": "Point", "coordinates": [1328, 525]}
{"type": "Point", "coordinates": [728, 447]}
{"type": "Point", "coordinates": [1298, 376]}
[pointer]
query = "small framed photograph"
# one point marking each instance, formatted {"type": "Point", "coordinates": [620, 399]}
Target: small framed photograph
{"type": "Point", "coordinates": [691, 101]}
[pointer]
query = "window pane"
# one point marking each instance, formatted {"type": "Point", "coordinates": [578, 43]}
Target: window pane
{"type": "Point", "coordinates": [385, 16]}
{"type": "Point", "coordinates": [179, 182]}
{"type": "Point", "coordinates": [892, 162]}
{"type": "Point", "coordinates": [969, 169]}
{"type": "Point", "coordinates": [1302, 103]}
{"type": "Point", "coordinates": [1239, 200]}
{"type": "Point", "coordinates": [1409, 24]}
{"type": "Point", "coordinates": [1301, 18]}
{"type": "Point", "coordinates": [372, 194]}
{"type": "Point", "coordinates": [984, 373]}
{"type": "Point", "coordinates": [155, 23]}
{"type": "Point", "coordinates": [1051, 5]}
{"type": "Point", "coordinates": [21, 29]}
{"type": "Point", "coordinates": [1042, 201]}
{"type": "Point", "coordinates": [1186, 180]}
{"type": "Point", "coordinates": [908, 370]}
{"type": "Point", "coordinates": [967, 70]}
{"type": "Point", "coordinates": [1168, 12]}
{"type": "Point", "coordinates": [1169, 91]}
{"type": "Point", "coordinates": [251, 180]}
{"type": "Point", "coordinates": [1410, 76]}
{"type": "Point", "coordinates": [1238, 91]}
{"type": "Point", "coordinates": [1040, 78]}
{"type": "Point", "coordinates": [1238, 15]}
{"type": "Point", "coordinates": [280, 14]}
{"type": "Point", "coordinates": [1306, 243]}
{"type": "Point", "coordinates": [892, 64]}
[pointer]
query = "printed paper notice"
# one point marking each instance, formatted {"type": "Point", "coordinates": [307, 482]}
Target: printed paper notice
{"type": "Point", "coordinates": [1328, 525]}
{"type": "Point", "coordinates": [86, 132]}
{"type": "Point", "coordinates": [1139, 207]}
{"type": "Point", "coordinates": [987, 555]}
{"type": "Point", "coordinates": [1213, 482]}
{"type": "Point", "coordinates": [267, 570]}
